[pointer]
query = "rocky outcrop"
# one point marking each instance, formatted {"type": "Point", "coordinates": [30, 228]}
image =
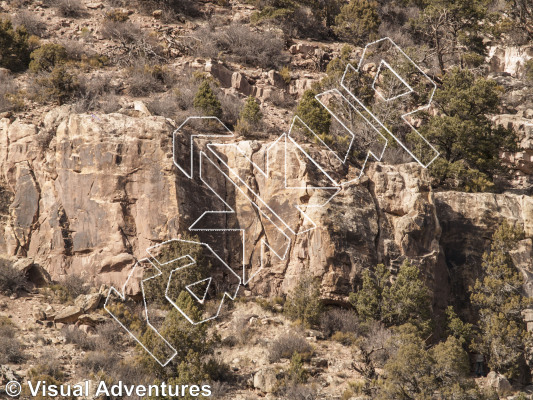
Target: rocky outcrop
{"type": "Point", "coordinates": [522, 160]}
{"type": "Point", "coordinates": [510, 60]}
{"type": "Point", "coordinates": [468, 221]}
{"type": "Point", "coordinates": [105, 189]}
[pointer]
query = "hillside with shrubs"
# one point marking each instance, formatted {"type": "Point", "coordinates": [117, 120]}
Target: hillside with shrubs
{"type": "Point", "coordinates": [418, 284]}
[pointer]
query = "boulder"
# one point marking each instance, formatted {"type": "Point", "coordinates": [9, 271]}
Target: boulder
{"type": "Point", "coordinates": [39, 315]}
{"type": "Point", "coordinates": [87, 329]}
{"type": "Point", "coordinates": [265, 380]}
{"type": "Point", "coordinates": [498, 382]}
{"type": "Point", "coordinates": [95, 5]}
{"type": "Point", "coordinates": [302, 48]}
{"type": "Point", "coordinates": [528, 315]}
{"type": "Point", "coordinates": [220, 72]}
{"type": "Point", "coordinates": [68, 315]}
{"type": "Point", "coordinates": [141, 108]}
{"type": "Point", "coordinates": [239, 82]}
{"type": "Point", "coordinates": [88, 302]}
{"type": "Point", "coordinates": [4, 73]}
{"type": "Point", "coordinates": [275, 79]}
{"type": "Point", "coordinates": [92, 319]}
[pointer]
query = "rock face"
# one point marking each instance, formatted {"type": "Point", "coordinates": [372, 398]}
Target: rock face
{"type": "Point", "coordinates": [102, 189]}
{"type": "Point", "coordinates": [522, 160]}
{"type": "Point", "coordinates": [509, 60]}
{"type": "Point", "coordinates": [468, 222]}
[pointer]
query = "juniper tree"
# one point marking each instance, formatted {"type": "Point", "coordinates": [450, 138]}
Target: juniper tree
{"type": "Point", "coordinates": [500, 302]}
{"type": "Point", "coordinates": [314, 115]}
{"type": "Point", "coordinates": [14, 47]}
{"type": "Point", "coordinates": [468, 142]}
{"type": "Point", "coordinates": [206, 101]}
{"type": "Point", "coordinates": [250, 116]}
{"type": "Point", "coordinates": [358, 21]}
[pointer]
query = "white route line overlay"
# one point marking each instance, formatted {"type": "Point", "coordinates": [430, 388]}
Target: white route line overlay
{"type": "Point", "coordinates": [263, 206]}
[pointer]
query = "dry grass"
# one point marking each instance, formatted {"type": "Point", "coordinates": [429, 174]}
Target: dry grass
{"type": "Point", "coordinates": [242, 44]}
{"type": "Point", "coordinates": [286, 345]}
{"type": "Point", "coordinates": [33, 24]}
{"type": "Point", "coordinates": [69, 8]}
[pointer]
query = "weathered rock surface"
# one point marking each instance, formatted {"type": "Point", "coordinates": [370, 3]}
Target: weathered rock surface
{"type": "Point", "coordinates": [68, 314]}
{"type": "Point", "coordinates": [510, 59]}
{"type": "Point", "coordinates": [468, 221]}
{"type": "Point", "coordinates": [88, 302]}
{"type": "Point", "coordinates": [105, 189]}
{"type": "Point", "coordinates": [522, 160]}
{"type": "Point", "coordinates": [498, 383]}
{"type": "Point", "coordinates": [265, 380]}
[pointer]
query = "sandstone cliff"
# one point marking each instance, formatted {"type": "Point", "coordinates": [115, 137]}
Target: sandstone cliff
{"type": "Point", "coordinates": [86, 194]}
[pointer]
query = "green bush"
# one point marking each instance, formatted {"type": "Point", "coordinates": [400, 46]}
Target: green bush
{"type": "Point", "coordinates": [206, 101]}
{"type": "Point", "coordinates": [58, 86]}
{"type": "Point", "coordinates": [155, 288]}
{"type": "Point", "coordinates": [14, 47]}
{"type": "Point", "coordinates": [249, 117]}
{"type": "Point", "coordinates": [285, 73]}
{"type": "Point", "coordinates": [358, 21]}
{"type": "Point", "coordinates": [316, 117]}
{"type": "Point", "coordinates": [406, 300]}
{"type": "Point", "coordinates": [416, 372]}
{"type": "Point", "coordinates": [193, 344]}
{"type": "Point", "coordinates": [303, 303]}
{"type": "Point", "coordinates": [46, 57]}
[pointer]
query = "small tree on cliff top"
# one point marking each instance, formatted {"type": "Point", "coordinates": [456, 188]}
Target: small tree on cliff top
{"type": "Point", "coordinates": [206, 101]}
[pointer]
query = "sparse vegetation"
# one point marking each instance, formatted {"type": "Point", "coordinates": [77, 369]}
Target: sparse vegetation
{"type": "Point", "coordinates": [338, 320]}
{"type": "Point", "coordinates": [117, 15]}
{"type": "Point", "coordinates": [58, 86]}
{"type": "Point", "coordinates": [69, 8]}
{"type": "Point", "coordinates": [146, 78]}
{"type": "Point", "coordinates": [241, 43]}
{"type": "Point", "coordinates": [529, 70]}
{"type": "Point", "coordinates": [30, 22]}
{"type": "Point", "coordinates": [12, 349]}
{"type": "Point", "coordinates": [69, 288]}
{"type": "Point", "coordinates": [11, 279]}
{"type": "Point", "coordinates": [287, 345]}
{"type": "Point", "coordinates": [10, 97]}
